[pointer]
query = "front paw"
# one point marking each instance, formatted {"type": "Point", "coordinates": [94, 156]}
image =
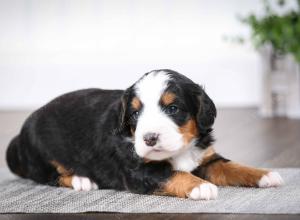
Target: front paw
{"type": "Point", "coordinates": [204, 191]}
{"type": "Point", "coordinates": [80, 183]}
{"type": "Point", "coordinates": [271, 179]}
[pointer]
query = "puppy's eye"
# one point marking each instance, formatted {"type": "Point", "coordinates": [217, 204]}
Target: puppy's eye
{"type": "Point", "coordinates": [171, 109]}
{"type": "Point", "coordinates": [135, 115]}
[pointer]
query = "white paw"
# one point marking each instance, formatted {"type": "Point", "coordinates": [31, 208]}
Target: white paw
{"type": "Point", "coordinates": [83, 184]}
{"type": "Point", "coordinates": [271, 179]}
{"type": "Point", "coordinates": [205, 191]}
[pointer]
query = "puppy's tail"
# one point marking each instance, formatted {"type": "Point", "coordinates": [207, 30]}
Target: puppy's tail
{"type": "Point", "coordinates": [13, 157]}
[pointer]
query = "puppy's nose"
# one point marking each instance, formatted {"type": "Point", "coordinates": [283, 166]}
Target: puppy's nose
{"type": "Point", "coordinates": [150, 139]}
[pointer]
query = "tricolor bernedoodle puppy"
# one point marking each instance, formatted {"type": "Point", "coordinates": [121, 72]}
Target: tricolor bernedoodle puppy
{"type": "Point", "coordinates": [153, 138]}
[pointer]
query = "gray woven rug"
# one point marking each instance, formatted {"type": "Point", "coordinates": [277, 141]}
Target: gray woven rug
{"type": "Point", "coordinates": [24, 196]}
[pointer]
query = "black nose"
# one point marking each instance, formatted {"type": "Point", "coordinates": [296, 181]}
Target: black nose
{"type": "Point", "coordinates": [150, 139]}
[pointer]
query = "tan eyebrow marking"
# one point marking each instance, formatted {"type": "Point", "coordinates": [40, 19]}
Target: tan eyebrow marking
{"type": "Point", "coordinates": [168, 98]}
{"type": "Point", "coordinates": [136, 103]}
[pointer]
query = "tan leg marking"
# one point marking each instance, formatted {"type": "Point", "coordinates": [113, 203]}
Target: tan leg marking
{"type": "Point", "coordinates": [65, 181]}
{"type": "Point", "coordinates": [181, 184]}
{"type": "Point", "coordinates": [66, 175]}
{"type": "Point", "coordinates": [228, 173]}
{"type": "Point", "coordinates": [68, 179]}
{"type": "Point", "coordinates": [233, 174]}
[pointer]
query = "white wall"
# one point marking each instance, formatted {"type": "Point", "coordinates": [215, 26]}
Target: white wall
{"type": "Point", "coordinates": [50, 47]}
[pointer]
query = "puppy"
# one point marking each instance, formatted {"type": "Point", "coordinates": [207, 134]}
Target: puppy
{"type": "Point", "coordinates": [153, 138]}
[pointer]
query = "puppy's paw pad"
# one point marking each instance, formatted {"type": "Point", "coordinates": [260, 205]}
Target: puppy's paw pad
{"type": "Point", "coordinates": [271, 179]}
{"type": "Point", "coordinates": [83, 184]}
{"type": "Point", "coordinates": [205, 191]}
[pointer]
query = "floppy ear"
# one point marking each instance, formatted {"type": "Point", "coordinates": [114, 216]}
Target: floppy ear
{"type": "Point", "coordinates": [123, 118]}
{"type": "Point", "coordinates": [123, 110]}
{"type": "Point", "coordinates": [207, 112]}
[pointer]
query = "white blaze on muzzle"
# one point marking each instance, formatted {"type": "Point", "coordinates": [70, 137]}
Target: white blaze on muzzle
{"type": "Point", "coordinates": [153, 120]}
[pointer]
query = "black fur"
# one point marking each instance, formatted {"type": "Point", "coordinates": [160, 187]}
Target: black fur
{"type": "Point", "coordinates": [198, 104]}
{"type": "Point", "coordinates": [87, 132]}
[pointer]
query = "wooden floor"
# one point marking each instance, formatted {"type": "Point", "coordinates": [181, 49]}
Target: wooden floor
{"type": "Point", "coordinates": [241, 136]}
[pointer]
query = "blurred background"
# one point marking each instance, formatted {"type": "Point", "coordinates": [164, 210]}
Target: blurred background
{"type": "Point", "coordinates": [51, 47]}
{"type": "Point", "coordinates": [54, 46]}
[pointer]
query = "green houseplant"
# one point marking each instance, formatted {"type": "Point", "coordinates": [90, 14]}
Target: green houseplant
{"type": "Point", "coordinates": [276, 35]}
{"type": "Point", "coordinates": [282, 32]}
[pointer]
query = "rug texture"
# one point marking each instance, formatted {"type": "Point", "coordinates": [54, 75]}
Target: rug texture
{"type": "Point", "coordinates": [24, 196]}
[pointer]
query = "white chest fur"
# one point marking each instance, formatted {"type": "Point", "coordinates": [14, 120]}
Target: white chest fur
{"type": "Point", "coordinates": [188, 160]}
